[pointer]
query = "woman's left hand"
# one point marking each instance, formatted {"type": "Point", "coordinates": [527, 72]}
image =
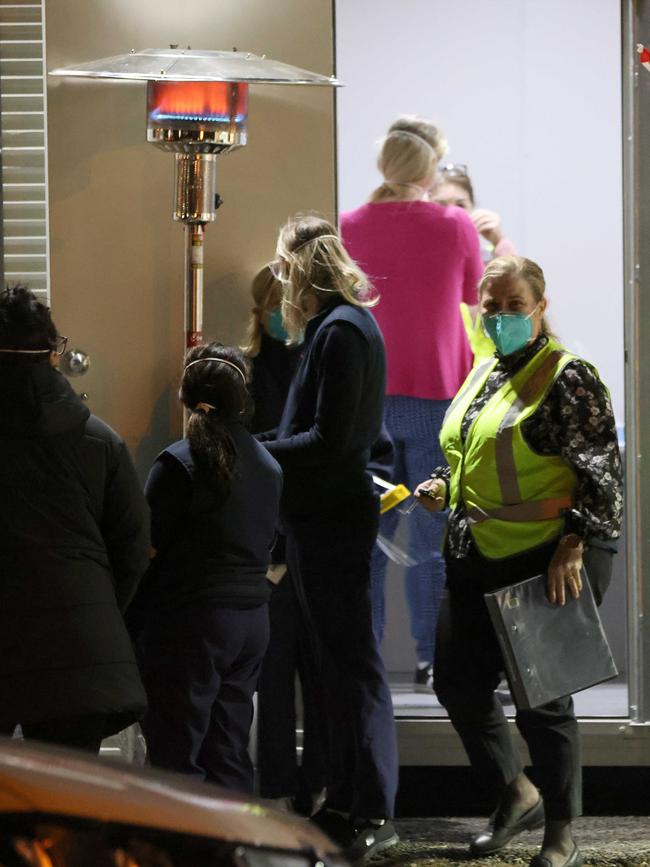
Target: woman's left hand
{"type": "Point", "coordinates": [564, 570]}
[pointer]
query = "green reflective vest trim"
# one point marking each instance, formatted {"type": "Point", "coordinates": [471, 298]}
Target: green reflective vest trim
{"type": "Point", "coordinates": [514, 497]}
{"type": "Point", "coordinates": [481, 345]}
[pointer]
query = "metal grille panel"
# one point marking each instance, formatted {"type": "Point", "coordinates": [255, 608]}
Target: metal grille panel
{"type": "Point", "coordinates": [23, 145]}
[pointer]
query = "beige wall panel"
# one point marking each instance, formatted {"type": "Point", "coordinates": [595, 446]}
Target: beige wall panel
{"type": "Point", "coordinates": [116, 255]}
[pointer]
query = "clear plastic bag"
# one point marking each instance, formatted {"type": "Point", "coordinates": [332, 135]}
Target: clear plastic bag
{"type": "Point", "coordinates": [398, 504]}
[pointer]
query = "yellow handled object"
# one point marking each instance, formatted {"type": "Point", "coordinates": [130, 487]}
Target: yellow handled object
{"type": "Point", "coordinates": [394, 495]}
{"type": "Point", "coordinates": [393, 498]}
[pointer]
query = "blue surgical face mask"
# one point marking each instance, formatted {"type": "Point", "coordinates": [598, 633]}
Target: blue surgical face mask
{"type": "Point", "coordinates": [509, 331]}
{"type": "Point", "coordinates": [275, 327]}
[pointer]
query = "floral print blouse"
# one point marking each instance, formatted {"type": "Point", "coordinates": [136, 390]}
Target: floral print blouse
{"type": "Point", "coordinates": [575, 421]}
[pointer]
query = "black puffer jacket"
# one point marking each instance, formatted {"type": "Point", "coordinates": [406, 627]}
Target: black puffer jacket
{"type": "Point", "coordinates": [73, 545]}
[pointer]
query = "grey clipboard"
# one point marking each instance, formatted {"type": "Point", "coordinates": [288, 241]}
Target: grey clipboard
{"type": "Point", "coordinates": [549, 650]}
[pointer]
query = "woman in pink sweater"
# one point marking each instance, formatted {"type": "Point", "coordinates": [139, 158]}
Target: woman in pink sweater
{"type": "Point", "coordinates": [423, 260]}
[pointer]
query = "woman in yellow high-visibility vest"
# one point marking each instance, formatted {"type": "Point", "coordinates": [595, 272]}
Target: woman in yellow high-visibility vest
{"type": "Point", "coordinates": [534, 484]}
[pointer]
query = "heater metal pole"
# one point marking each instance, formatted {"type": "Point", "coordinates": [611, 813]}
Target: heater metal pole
{"type": "Point", "coordinates": [194, 237]}
{"type": "Point", "coordinates": [194, 205]}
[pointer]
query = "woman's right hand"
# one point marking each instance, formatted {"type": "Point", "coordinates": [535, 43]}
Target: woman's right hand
{"type": "Point", "coordinates": [432, 494]}
{"type": "Point", "coordinates": [488, 224]}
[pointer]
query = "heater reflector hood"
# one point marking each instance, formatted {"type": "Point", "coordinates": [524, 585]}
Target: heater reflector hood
{"type": "Point", "coordinates": [176, 64]}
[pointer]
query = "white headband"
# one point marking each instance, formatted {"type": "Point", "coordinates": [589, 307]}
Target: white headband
{"type": "Point", "coordinates": [27, 351]}
{"type": "Point", "coordinates": [415, 136]}
{"type": "Point", "coordinates": [311, 241]}
{"type": "Point", "coordinates": [221, 361]}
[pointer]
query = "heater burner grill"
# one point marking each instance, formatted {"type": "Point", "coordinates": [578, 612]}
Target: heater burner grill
{"type": "Point", "coordinates": [197, 116]}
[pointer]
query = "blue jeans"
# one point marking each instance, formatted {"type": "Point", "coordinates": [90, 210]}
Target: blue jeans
{"type": "Point", "coordinates": [414, 425]}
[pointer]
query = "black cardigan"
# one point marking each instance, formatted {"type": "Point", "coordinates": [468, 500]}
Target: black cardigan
{"type": "Point", "coordinates": [333, 414]}
{"type": "Point", "coordinates": [273, 370]}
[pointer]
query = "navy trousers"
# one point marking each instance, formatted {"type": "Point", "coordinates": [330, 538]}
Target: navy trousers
{"type": "Point", "coordinates": [200, 667]}
{"type": "Point", "coordinates": [291, 652]}
{"type": "Point", "coordinates": [331, 553]}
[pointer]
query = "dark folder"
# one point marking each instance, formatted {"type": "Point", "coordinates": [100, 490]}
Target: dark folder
{"type": "Point", "coordinates": [549, 650]}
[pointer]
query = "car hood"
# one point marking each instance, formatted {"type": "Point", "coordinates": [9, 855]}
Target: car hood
{"type": "Point", "coordinates": [53, 781]}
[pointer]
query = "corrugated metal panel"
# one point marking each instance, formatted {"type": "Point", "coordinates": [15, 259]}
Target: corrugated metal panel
{"type": "Point", "coordinates": [23, 145]}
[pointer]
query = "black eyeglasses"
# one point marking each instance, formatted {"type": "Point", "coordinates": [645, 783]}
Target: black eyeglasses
{"type": "Point", "coordinates": [453, 170]}
{"type": "Point", "coordinates": [59, 345]}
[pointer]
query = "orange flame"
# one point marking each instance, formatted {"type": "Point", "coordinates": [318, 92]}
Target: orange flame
{"type": "Point", "coordinates": [197, 100]}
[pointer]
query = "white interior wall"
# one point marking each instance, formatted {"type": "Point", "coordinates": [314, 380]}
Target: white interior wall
{"type": "Point", "coordinates": [528, 93]}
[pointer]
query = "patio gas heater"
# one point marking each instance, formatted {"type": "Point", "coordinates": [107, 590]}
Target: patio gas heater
{"type": "Point", "coordinates": [197, 107]}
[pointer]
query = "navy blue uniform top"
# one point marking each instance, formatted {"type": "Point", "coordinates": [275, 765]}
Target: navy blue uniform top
{"type": "Point", "coordinates": [210, 546]}
{"type": "Point", "coordinates": [273, 370]}
{"type": "Point", "coordinates": [333, 414]}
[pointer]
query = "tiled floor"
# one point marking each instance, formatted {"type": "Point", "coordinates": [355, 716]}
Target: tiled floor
{"type": "Point", "coordinates": [606, 700]}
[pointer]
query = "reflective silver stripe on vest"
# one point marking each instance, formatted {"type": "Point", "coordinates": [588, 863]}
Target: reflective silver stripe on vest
{"type": "Point", "coordinates": [504, 451]}
{"type": "Point", "coordinates": [535, 510]}
{"type": "Point", "coordinates": [474, 377]}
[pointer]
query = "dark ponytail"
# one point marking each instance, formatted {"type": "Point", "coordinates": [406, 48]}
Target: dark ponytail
{"type": "Point", "coordinates": [215, 391]}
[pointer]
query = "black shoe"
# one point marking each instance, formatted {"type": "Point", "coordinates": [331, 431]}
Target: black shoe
{"type": "Point", "coordinates": [575, 859]}
{"type": "Point", "coordinates": [371, 838]}
{"type": "Point", "coordinates": [423, 679]}
{"type": "Point", "coordinates": [339, 829]}
{"type": "Point", "coordinates": [502, 829]}
{"type": "Point", "coordinates": [306, 804]}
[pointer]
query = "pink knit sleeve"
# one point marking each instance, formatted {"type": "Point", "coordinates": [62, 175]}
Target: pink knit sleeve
{"type": "Point", "coordinates": [505, 247]}
{"type": "Point", "coordinates": [473, 263]}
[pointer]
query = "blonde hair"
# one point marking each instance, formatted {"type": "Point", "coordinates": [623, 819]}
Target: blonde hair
{"type": "Point", "coordinates": [409, 152]}
{"type": "Point", "coordinates": [317, 265]}
{"type": "Point", "coordinates": [509, 268]}
{"type": "Point", "coordinates": [267, 295]}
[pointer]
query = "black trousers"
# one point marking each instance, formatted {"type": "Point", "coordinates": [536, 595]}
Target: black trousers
{"type": "Point", "coordinates": [468, 668]}
{"type": "Point", "coordinates": [200, 667]}
{"type": "Point", "coordinates": [291, 651]}
{"type": "Point", "coordinates": [79, 732]}
{"type": "Point", "coordinates": [331, 553]}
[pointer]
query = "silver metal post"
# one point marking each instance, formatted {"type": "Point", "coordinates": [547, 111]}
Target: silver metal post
{"type": "Point", "coordinates": [193, 289]}
{"type": "Point", "coordinates": [194, 205]}
{"type": "Point", "coordinates": [636, 191]}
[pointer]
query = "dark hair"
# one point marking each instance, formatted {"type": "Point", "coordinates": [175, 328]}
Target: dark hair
{"type": "Point", "coordinates": [25, 324]}
{"type": "Point", "coordinates": [215, 393]}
